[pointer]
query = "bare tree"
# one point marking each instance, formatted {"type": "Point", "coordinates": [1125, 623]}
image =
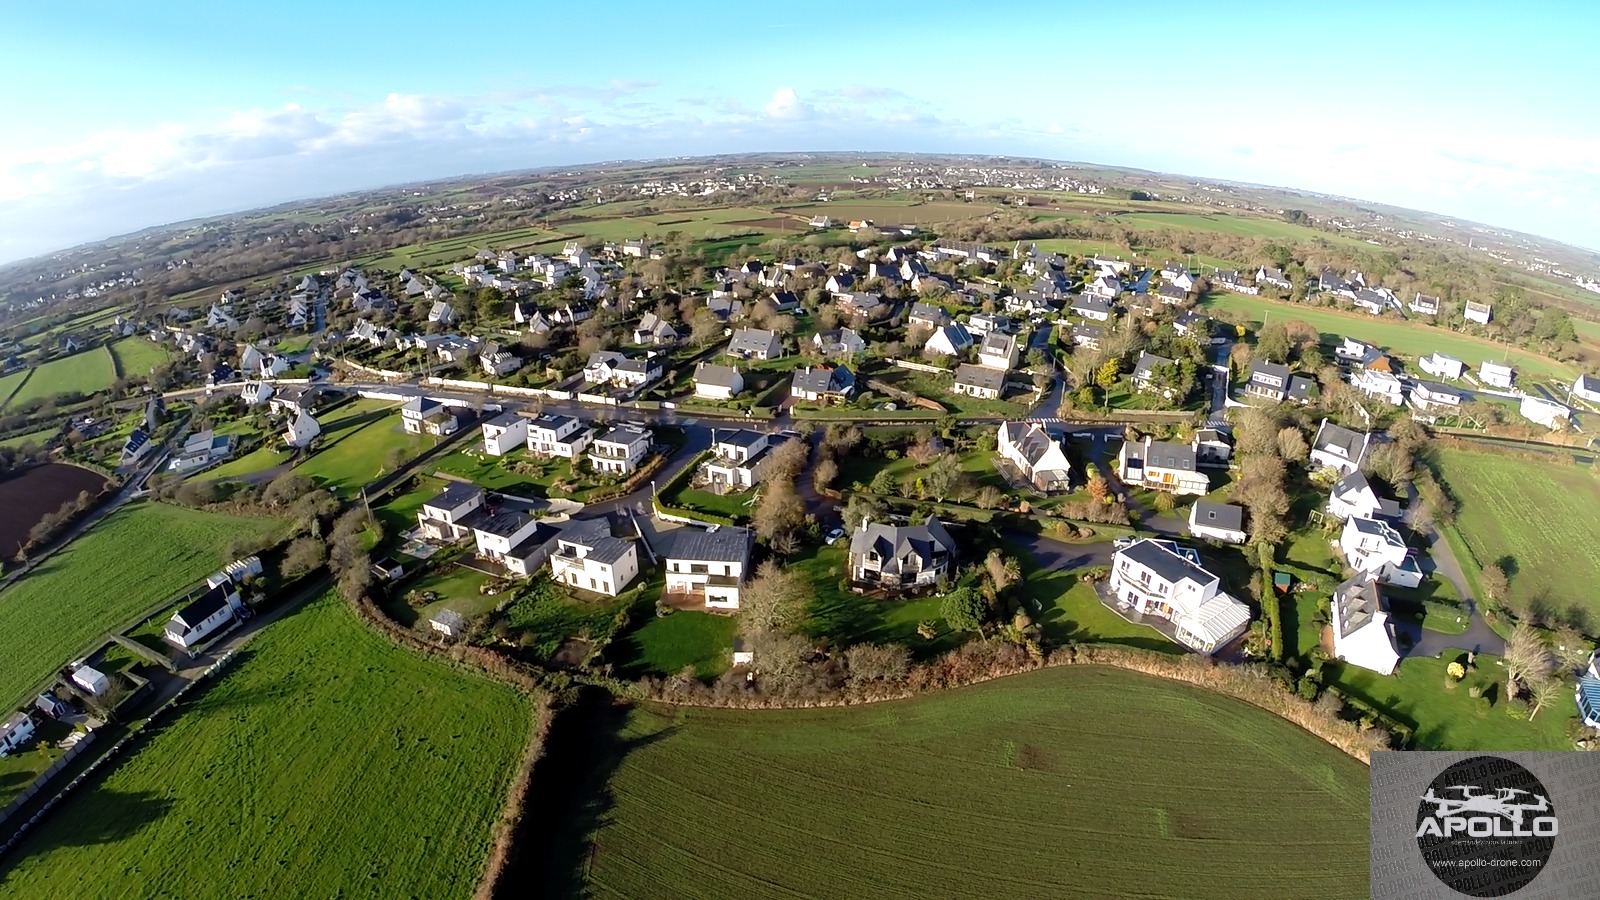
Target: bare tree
{"type": "Point", "coordinates": [1496, 587]}
{"type": "Point", "coordinates": [1527, 660]}
{"type": "Point", "coordinates": [1292, 445]}
{"type": "Point", "coordinates": [774, 601]}
{"type": "Point", "coordinates": [1544, 691]}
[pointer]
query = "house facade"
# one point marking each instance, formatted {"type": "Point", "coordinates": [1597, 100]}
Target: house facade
{"type": "Point", "coordinates": [441, 518]}
{"type": "Point", "coordinates": [424, 415]}
{"type": "Point", "coordinates": [1217, 521]}
{"type": "Point", "coordinates": [301, 430]}
{"type": "Point", "coordinates": [1495, 374]}
{"type": "Point", "coordinates": [900, 557]}
{"type": "Point", "coordinates": [587, 557]}
{"type": "Point", "coordinates": [708, 565]}
{"type": "Point", "coordinates": [1151, 579]}
{"type": "Point", "coordinates": [1338, 448]}
{"type": "Point", "coordinates": [714, 382]}
{"type": "Point", "coordinates": [554, 435]}
{"type": "Point", "coordinates": [16, 733]}
{"type": "Point", "coordinates": [504, 433]}
{"type": "Point", "coordinates": [1474, 311]}
{"type": "Point", "coordinates": [1161, 466]}
{"type": "Point", "coordinates": [737, 455]}
{"type": "Point", "coordinates": [217, 607]}
{"type": "Point", "coordinates": [1375, 547]}
{"type": "Point", "coordinates": [1586, 387]}
{"type": "Point", "coordinates": [822, 384]}
{"type": "Point", "coordinates": [948, 340]}
{"type": "Point", "coordinates": [1440, 366]}
{"type": "Point", "coordinates": [1039, 455]}
{"type": "Point", "coordinates": [1267, 380]}
{"type": "Point", "coordinates": [620, 450]}
{"type": "Point", "coordinates": [1362, 633]}
{"type": "Point", "coordinates": [982, 382]}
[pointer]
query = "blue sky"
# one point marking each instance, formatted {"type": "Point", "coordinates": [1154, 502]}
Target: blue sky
{"type": "Point", "coordinates": [129, 115]}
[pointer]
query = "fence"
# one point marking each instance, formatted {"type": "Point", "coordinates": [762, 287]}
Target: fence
{"type": "Point", "coordinates": [919, 367]}
{"type": "Point", "coordinates": [112, 753]}
{"type": "Point", "coordinates": [44, 777]}
{"type": "Point", "coordinates": [385, 374]}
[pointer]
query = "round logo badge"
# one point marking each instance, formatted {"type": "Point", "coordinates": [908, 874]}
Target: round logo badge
{"type": "Point", "coordinates": [1486, 827]}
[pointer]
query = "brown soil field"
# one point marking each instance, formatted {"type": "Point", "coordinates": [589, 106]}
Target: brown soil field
{"type": "Point", "coordinates": [28, 496]}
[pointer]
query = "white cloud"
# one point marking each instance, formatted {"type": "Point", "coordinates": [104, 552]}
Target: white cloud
{"type": "Point", "coordinates": [786, 104]}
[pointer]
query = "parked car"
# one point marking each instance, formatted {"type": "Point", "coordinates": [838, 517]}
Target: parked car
{"type": "Point", "coordinates": [1123, 543]}
{"type": "Point", "coordinates": [835, 535]}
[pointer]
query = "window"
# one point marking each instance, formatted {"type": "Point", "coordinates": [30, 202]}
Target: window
{"type": "Point", "coordinates": [699, 568]}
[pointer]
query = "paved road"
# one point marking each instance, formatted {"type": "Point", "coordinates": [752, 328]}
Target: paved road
{"type": "Point", "coordinates": [1478, 637]}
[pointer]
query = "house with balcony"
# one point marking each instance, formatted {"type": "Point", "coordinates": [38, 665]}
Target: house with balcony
{"type": "Point", "coordinates": [707, 566]}
{"type": "Point", "coordinates": [587, 557]}
{"type": "Point", "coordinates": [1379, 385]}
{"type": "Point", "coordinates": [555, 435]}
{"type": "Point", "coordinates": [512, 538]}
{"type": "Point", "coordinates": [737, 455]}
{"type": "Point", "coordinates": [425, 415]}
{"type": "Point", "coordinates": [620, 450]}
{"type": "Point", "coordinates": [1362, 633]}
{"type": "Point", "coordinates": [504, 433]}
{"type": "Point", "coordinates": [1153, 580]}
{"type": "Point", "coordinates": [1375, 547]}
{"type": "Point", "coordinates": [900, 557]}
{"type": "Point", "coordinates": [441, 518]}
{"type": "Point", "coordinates": [1162, 466]}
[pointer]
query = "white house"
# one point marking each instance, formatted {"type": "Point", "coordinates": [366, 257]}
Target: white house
{"type": "Point", "coordinates": [611, 367]}
{"type": "Point", "coordinates": [1088, 336]}
{"type": "Point", "coordinates": [822, 384]}
{"type": "Point", "coordinates": [1440, 366]}
{"type": "Point", "coordinates": [1497, 375]}
{"type": "Point", "coordinates": [15, 733]}
{"type": "Point", "coordinates": [441, 518]}
{"type": "Point", "coordinates": [1379, 385]}
{"type": "Point", "coordinates": [1474, 311]}
{"type": "Point", "coordinates": [442, 313]}
{"type": "Point", "coordinates": [1144, 373]}
{"type": "Point", "coordinates": [1587, 387]}
{"type": "Point", "coordinates": [495, 531]}
{"type": "Point", "coordinates": [1362, 633]}
{"type": "Point", "coordinates": [1375, 547]}
{"type": "Point", "coordinates": [504, 433]}
{"type": "Point", "coordinates": [620, 450]}
{"type": "Point", "coordinates": [838, 342]}
{"type": "Point", "coordinates": [424, 415]}
{"type": "Point", "coordinates": [1353, 497]}
{"type": "Point", "coordinates": [1106, 286]}
{"type": "Point", "coordinates": [983, 382]}
{"type": "Point", "coordinates": [755, 343]}
{"type": "Point", "coordinates": [737, 454]}
{"type": "Point", "coordinates": [655, 330]}
{"type": "Point", "coordinates": [948, 340]}
{"type": "Point", "coordinates": [714, 382]}
{"type": "Point", "coordinates": [1430, 398]}
{"type": "Point", "coordinates": [998, 350]}
{"type": "Point", "coordinates": [1151, 579]}
{"type": "Point", "coordinates": [92, 681]}
{"type": "Point", "coordinates": [1038, 454]}
{"type": "Point", "coordinates": [303, 428]}
{"type": "Point", "coordinates": [1218, 521]}
{"type": "Point", "coordinates": [1274, 277]}
{"type": "Point", "coordinates": [1212, 448]}
{"type": "Point", "coordinates": [255, 393]}
{"type": "Point", "coordinates": [1089, 306]}
{"type": "Point", "coordinates": [563, 436]}
{"type": "Point", "coordinates": [980, 324]}
{"type": "Point", "coordinates": [497, 362]}
{"type": "Point", "coordinates": [216, 608]}
{"type": "Point", "coordinates": [1268, 380]}
{"type": "Point", "coordinates": [900, 557]}
{"type": "Point", "coordinates": [588, 557]}
{"type": "Point", "coordinates": [1161, 466]}
{"type": "Point", "coordinates": [1552, 415]}
{"type": "Point", "coordinates": [708, 565]}
{"type": "Point", "coordinates": [1424, 305]}
{"type": "Point", "coordinates": [1338, 448]}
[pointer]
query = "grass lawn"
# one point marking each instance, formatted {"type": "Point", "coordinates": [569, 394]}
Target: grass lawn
{"type": "Point", "coordinates": [37, 437]}
{"type": "Point", "coordinates": [544, 616]}
{"type": "Point", "coordinates": [664, 645]}
{"type": "Point", "coordinates": [83, 373]}
{"type": "Point", "coordinates": [399, 512]}
{"type": "Point", "coordinates": [297, 344]}
{"type": "Point", "coordinates": [840, 615]}
{"type": "Point", "coordinates": [1412, 338]}
{"type": "Point", "coordinates": [495, 473]}
{"type": "Point", "coordinates": [323, 735]}
{"type": "Point", "coordinates": [1505, 506]}
{"type": "Point", "coordinates": [1016, 787]}
{"type": "Point", "coordinates": [1067, 609]}
{"type": "Point", "coordinates": [357, 441]}
{"type": "Point", "coordinates": [731, 506]}
{"type": "Point", "coordinates": [133, 560]}
{"type": "Point", "coordinates": [10, 382]}
{"type": "Point", "coordinates": [22, 766]}
{"type": "Point", "coordinates": [457, 588]}
{"type": "Point", "coordinates": [138, 355]}
{"type": "Point", "coordinates": [1246, 226]}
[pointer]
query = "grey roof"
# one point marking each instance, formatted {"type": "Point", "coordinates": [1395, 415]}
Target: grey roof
{"type": "Point", "coordinates": [640, 364]}
{"type": "Point", "coordinates": [542, 534]}
{"type": "Point", "coordinates": [928, 311]}
{"type": "Point", "coordinates": [1434, 387]}
{"type": "Point", "coordinates": [608, 550]}
{"type": "Point", "coordinates": [1090, 332]}
{"type": "Point", "coordinates": [1359, 603]}
{"type": "Point", "coordinates": [1168, 455]}
{"type": "Point", "coordinates": [554, 422]}
{"type": "Point", "coordinates": [1173, 292]}
{"type": "Point", "coordinates": [420, 405]}
{"type": "Point", "coordinates": [724, 544]}
{"type": "Point", "coordinates": [980, 376]}
{"type": "Point", "coordinates": [1147, 363]}
{"type": "Point", "coordinates": [1588, 383]}
{"type": "Point", "coordinates": [1271, 370]}
{"type": "Point", "coordinates": [893, 542]}
{"type": "Point", "coordinates": [821, 380]}
{"type": "Point", "coordinates": [1355, 482]}
{"type": "Point", "coordinates": [504, 522]}
{"type": "Point", "coordinates": [1353, 443]}
{"type": "Point", "coordinates": [1302, 387]}
{"type": "Point", "coordinates": [1031, 439]}
{"type": "Point", "coordinates": [712, 374]}
{"type": "Point", "coordinates": [1168, 566]}
{"type": "Point", "coordinates": [754, 340]}
{"type": "Point", "coordinates": [739, 437]}
{"type": "Point", "coordinates": [998, 342]}
{"type": "Point", "coordinates": [1090, 303]}
{"type": "Point", "coordinates": [505, 420]}
{"type": "Point", "coordinates": [625, 434]}
{"type": "Point", "coordinates": [207, 606]}
{"type": "Point", "coordinates": [586, 532]}
{"type": "Point", "coordinates": [455, 494]}
{"type": "Point", "coordinates": [1219, 515]}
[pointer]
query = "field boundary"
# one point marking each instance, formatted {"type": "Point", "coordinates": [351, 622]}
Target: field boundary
{"type": "Point", "coordinates": [18, 389]}
{"type": "Point", "coordinates": [116, 362]}
{"type": "Point", "coordinates": [43, 778]}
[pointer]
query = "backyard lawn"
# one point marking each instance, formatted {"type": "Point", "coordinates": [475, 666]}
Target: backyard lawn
{"type": "Point", "coordinates": [663, 645]}
{"type": "Point", "coordinates": [1411, 339]}
{"type": "Point", "coordinates": [138, 355]}
{"type": "Point", "coordinates": [322, 735]}
{"type": "Point", "coordinates": [356, 442]}
{"type": "Point", "coordinates": [139, 556]}
{"type": "Point", "coordinates": [1015, 787]}
{"type": "Point", "coordinates": [1505, 509]}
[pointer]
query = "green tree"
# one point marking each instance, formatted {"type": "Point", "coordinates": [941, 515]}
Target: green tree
{"type": "Point", "coordinates": [774, 601]}
{"type": "Point", "coordinates": [963, 609]}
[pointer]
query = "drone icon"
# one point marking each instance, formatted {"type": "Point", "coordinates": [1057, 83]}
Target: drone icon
{"type": "Point", "coordinates": [1499, 803]}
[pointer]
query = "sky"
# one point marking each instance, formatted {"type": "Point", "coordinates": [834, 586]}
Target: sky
{"type": "Point", "coordinates": [122, 116]}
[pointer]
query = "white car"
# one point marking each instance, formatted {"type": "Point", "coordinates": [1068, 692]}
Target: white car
{"type": "Point", "coordinates": [835, 535]}
{"type": "Point", "coordinates": [1123, 543]}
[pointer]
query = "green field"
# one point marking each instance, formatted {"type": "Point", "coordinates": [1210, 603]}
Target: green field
{"type": "Point", "coordinates": [83, 373]}
{"type": "Point", "coordinates": [1244, 226]}
{"type": "Point", "coordinates": [887, 211]}
{"type": "Point", "coordinates": [664, 645]}
{"type": "Point", "coordinates": [1537, 520]}
{"type": "Point", "coordinates": [138, 355]}
{"type": "Point", "coordinates": [1110, 782]}
{"type": "Point", "coordinates": [328, 763]}
{"type": "Point", "coordinates": [1407, 338]}
{"type": "Point", "coordinates": [355, 445]}
{"type": "Point", "coordinates": [38, 437]}
{"type": "Point", "coordinates": [9, 383]}
{"type": "Point", "coordinates": [133, 560]}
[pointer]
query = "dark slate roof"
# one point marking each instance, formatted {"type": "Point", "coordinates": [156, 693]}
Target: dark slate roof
{"type": "Point", "coordinates": [1302, 388]}
{"type": "Point", "coordinates": [1271, 370]}
{"type": "Point", "coordinates": [1172, 292]}
{"type": "Point", "coordinates": [1331, 435]}
{"type": "Point", "coordinates": [420, 404]}
{"type": "Point", "coordinates": [503, 523]}
{"type": "Point", "coordinates": [1148, 362]}
{"type": "Point", "coordinates": [892, 542]}
{"type": "Point", "coordinates": [724, 544]}
{"type": "Point", "coordinates": [1219, 515]}
{"type": "Point", "coordinates": [505, 420]}
{"type": "Point", "coordinates": [554, 422]}
{"type": "Point", "coordinates": [206, 606]}
{"type": "Point", "coordinates": [980, 376]}
{"type": "Point", "coordinates": [709, 373]}
{"type": "Point", "coordinates": [608, 550]}
{"type": "Point", "coordinates": [820, 380]}
{"type": "Point", "coordinates": [625, 434]}
{"type": "Point", "coordinates": [1168, 455]}
{"type": "Point", "coordinates": [739, 437]}
{"type": "Point", "coordinates": [753, 340]}
{"type": "Point", "coordinates": [1353, 483]}
{"type": "Point", "coordinates": [542, 534]}
{"type": "Point", "coordinates": [1359, 603]}
{"type": "Point", "coordinates": [1168, 566]}
{"type": "Point", "coordinates": [455, 494]}
{"type": "Point", "coordinates": [1091, 304]}
{"type": "Point", "coordinates": [1588, 383]}
{"type": "Point", "coordinates": [929, 311]}
{"type": "Point", "coordinates": [1032, 440]}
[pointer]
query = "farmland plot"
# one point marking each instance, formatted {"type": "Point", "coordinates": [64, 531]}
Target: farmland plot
{"type": "Point", "coordinates": [1088, 781]}
{"type": "Point", "coordinates": [327, 763]}
{"type": "Point", "coordinates": [1506, 510]}
{"type": "Point", "coordinates": [82, 373]}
